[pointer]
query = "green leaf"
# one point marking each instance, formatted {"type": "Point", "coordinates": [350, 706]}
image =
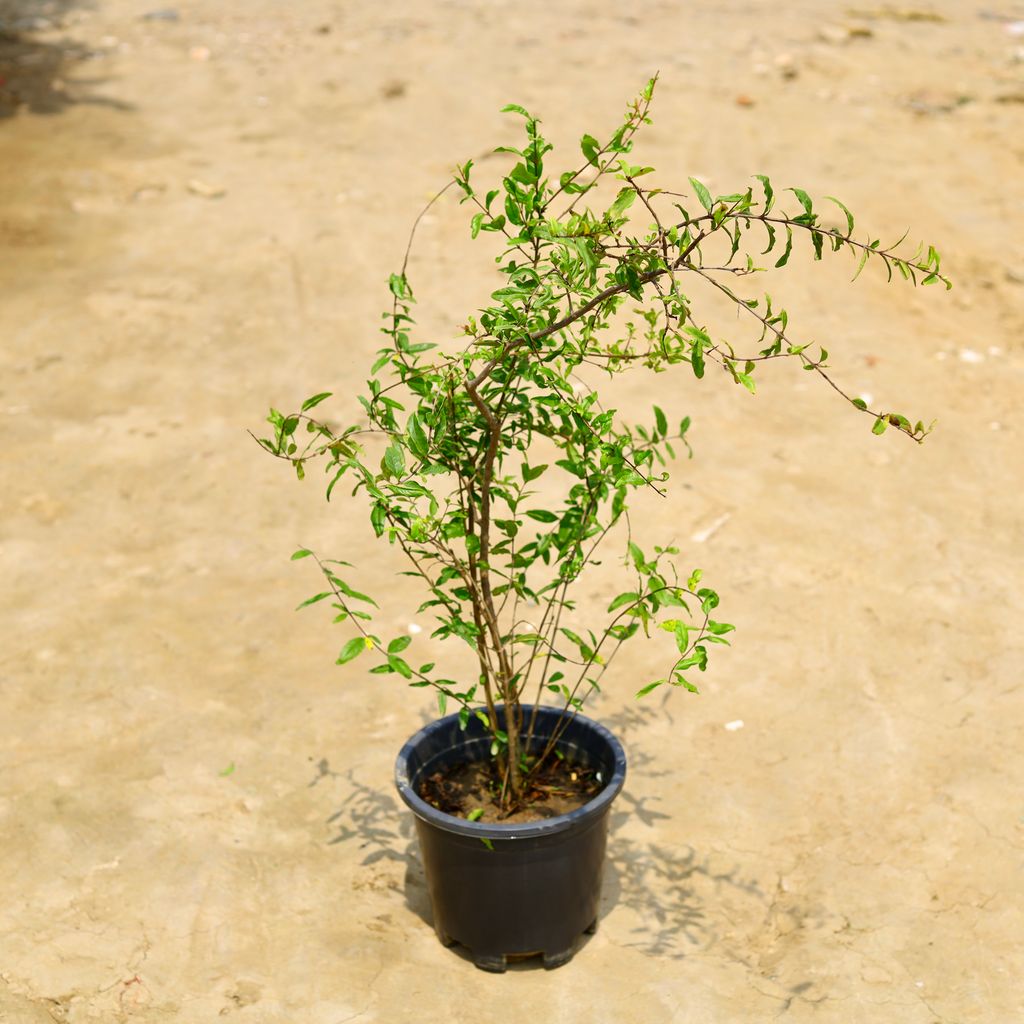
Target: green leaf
{"type": "Point", "coordinates": [400, 666]}
{"type": "Point", "coordinates": [860, 403]}
{"type": "Point", "coordinates": [301, 553]}
{"type": "Point", "coordinates": [849, 216]}
{"type": "Point", "coordinates": [351, 650]}
{"type": "Point", "coordinates": [718, 628]}
{"type": "Point", "coordinates": [474, 224]}
{"type": "Point", "coordinates": [512, 211]}
{"type": "Point", "coordinates": [348, 591]}
{"type": "Point", "coordinates": [682, 635]}
{"type": "Point", "coordinates": [315, 400]}
{"type": "Point", "coordinates": [769, 194]}
{"type": "Point", "coordinates": [860, 266]}
{"type": "Point", "coordinates": [805, 199]}
{"type": "Point", "coordinates": [697, 358]}
{"type": "Point", "coordinates": [747, 381]}
{"type": "Point", "coordinates": [784, 258]}
{"type": "Point", "coordinates": [522, 174]}
{"type": "Point", "coordinates": [880, 425]}
{"type": "Point", "coordinates": [399, 644]}
{"type": "Point", "coordinates": [695, 578]}
{"type": "Point", "coordinates": [313, 600]}
{"type": "Point", "coordinates": [623, 201]}
{"type": "Point", "coordinates": [660, 421]}
{"type": "Point", "coordinates": [638, 555]}
{"type": "Point", "coordinates": [514, 108]}
{"type": "Point", "coordinates": [475, 814]}
{"type": "Point", "coordinates": [590, 149]}
{"type": "Point", "coordinates": [644, 690]}
{"type": "Point", "coordinates": [702, 194]}
{"type": "Point", "coordinates": [624, 599]}
{"type": "Point", "coordinates": [394, 460]}
{"type": "Point", "coordinates": [418, 441]}
{"type": "Point", "coordinates": [542, 515]}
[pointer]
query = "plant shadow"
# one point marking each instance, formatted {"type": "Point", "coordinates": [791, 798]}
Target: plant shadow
{"type": "Point", "coordinates": [34, 71]}
{"type": "Point", "coordinates": [671, 891]}
{"type": "Point", "coordinates": [666, 888]}
{"type": "Point", "coordinates": [378, 824]}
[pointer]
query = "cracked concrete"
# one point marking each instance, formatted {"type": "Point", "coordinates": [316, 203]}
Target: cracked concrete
{"type": "Point", "coordinates": [196, 814]}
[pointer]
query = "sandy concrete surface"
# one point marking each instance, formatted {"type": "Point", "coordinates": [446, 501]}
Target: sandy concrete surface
{"type": "Point", "coordinates": [198, 213]}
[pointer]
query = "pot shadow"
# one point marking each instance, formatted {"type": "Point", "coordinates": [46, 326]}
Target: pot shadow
{"type": "Point", "coordinates": [676, 895]}
{"type": "Point", "coordinates": [665, 888]}
{"type": "Point", "coordinates": [34, 72]}
{"type": "Point", "coordinates": [668, 889]}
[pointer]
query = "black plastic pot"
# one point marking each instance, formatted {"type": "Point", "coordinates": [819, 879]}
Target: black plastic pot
{"type": "Point", "coordinates": [506, 890]}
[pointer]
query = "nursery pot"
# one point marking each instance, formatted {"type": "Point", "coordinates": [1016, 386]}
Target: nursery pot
{"type": "Point", "coordinates": [511, 890]}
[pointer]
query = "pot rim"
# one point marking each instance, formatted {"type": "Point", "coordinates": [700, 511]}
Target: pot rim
{"type": "Point", "coordinates": [593, 809]}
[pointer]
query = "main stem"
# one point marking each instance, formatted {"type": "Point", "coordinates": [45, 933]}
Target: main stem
{"type": "Point", "coordinates": [506, 686]}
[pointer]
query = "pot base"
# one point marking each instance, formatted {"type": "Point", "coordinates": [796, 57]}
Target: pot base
{"type": "Point", "coordinates": [498, 963]}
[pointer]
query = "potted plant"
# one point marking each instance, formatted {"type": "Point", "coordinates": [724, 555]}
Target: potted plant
{"type": "Point", "coordinates": [496, 470]}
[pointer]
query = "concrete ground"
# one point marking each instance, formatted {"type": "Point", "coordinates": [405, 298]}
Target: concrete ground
{"type": "Point", "coordinates": [198, 213]}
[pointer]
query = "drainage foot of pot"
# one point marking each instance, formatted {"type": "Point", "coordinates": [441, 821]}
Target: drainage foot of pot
{"type": "Point", "coordinates": [442, 936]}
{"type": "Point", "coordinates": [553, 960]}
{"type": "Point", "coordinates": [494, 964]}
{"type": "Point", "coordinates": [591, 928]}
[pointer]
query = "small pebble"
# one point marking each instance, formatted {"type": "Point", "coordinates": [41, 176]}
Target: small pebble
{"type": "Point", "coordinates": [787, 66]}
{"type": "Point", "coordinates": [205, 189]}
{"type": "Point", "coordinates": [734, 726]}
{"type": "Point", "coordinates": [413, 628]}
{"type": "Point", "coordinates": [968, 355]}
{"type": "Point", "coordinates": [834, 34]}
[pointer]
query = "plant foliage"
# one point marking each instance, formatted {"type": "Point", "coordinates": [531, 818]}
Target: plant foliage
{"type": "Point", "coordinates": [499, 474]}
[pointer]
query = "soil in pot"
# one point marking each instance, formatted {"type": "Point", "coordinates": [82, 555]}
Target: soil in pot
{"type": "Point", "coordinates": [465, 790]}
